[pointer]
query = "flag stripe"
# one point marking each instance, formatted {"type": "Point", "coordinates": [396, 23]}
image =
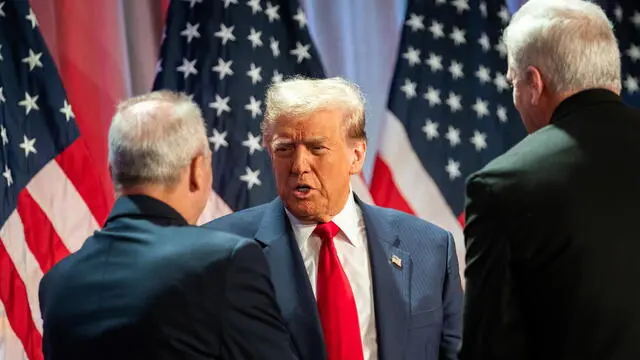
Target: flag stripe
{"type": "Point", "coordinates": [41, 238]}
{"type": "Point", "coordinates": [14, 297]}
{"type": "Point", "coordinates": [414, 184]}
{"type": "Point", "coordinates": [10, 345]}
{"type": "Point", "coordinates": [28, 269]}
{"type": "Point", "coordinates": [58, 198]}
{"type": "Point", "coordinates": [88, 183]}
{"type": "Point", "coordinates": [384, 190]}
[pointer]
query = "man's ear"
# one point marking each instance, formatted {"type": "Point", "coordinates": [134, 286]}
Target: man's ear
{"type": "Point", "coordinates": [358, 153]}
{"type": "Point", "coordinates": [536, 82]}
{"type": "Point", "coordinates": [197, 173]}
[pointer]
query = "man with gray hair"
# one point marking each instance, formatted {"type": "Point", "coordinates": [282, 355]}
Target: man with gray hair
{"type": "Point", "coordinates": [150, 284]}
{"type": "Point", "coordinates": [354, 281]}
{"type": "Point", "coordinates": [552, 243]}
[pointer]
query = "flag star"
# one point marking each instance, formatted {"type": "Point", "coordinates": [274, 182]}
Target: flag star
{"type": "Point", "coordinates": [191, 32]}
{"type": "Point", "coordinates": [415, 22]}
{"type": "Point", "coordinates": [483, 9]}
{"type": "Point", "coordinates": [430, 129]}
{"type": "Point", "coordinates": [254, 74]}
{"type": "Point", "coordinates": [484, 42]}
{"type": "Point", "coordinates": [483, 74]}
{"type": "Point", "coordinates": [193, 3]}
{"type": "Point", "coordinates": [29, 103]}
{"type": "Point", "coordinates": [502, 113]}
{"type": "Point", "coordinates": [453, 135]}
{"type": "Point", "coordinates": [436, 29]}
{"type": "Point", "coordinates": [634, 52]}
{"type": "Point", "coordinates": [503, 14]}
{"type": "Point", "coordinates": [433, 96]}
{"type": "Point", "coordinates": [635, 19]}
{"type": "Point", "coordinates": [255, 39]}
{"type": "Point", "coordinates": [301, 51]}
{"type": "Point", "coordinates": [28, 145]}
{"type": "Point", "coordinates": [456, 70]}
{"type": "Point", "coordinates": [225, 33]}
{"type": "Point", "coordinates": [220, 105]}
{"type": "Point", "coordinates": [301, 18]}
{"type": "Point", "coordinates": [7, 175]}
{"type": "Point", "coordinates": [412, 55]}
{"type": "Point", "coordinates": [461, 5]}
{"type": "Point", "coordinates": [277, 77]}
{"type": "Point", "coordinates": [501, 48]}
{"type": "Point", "coordinates": [254, 107]}
{"type": "Point", "coordinates": [272, 12]}
{"type": "Point", "coordinates": [251, 177]}
{"type": "Point", "coordinates": [188, 67]}
{"type": "Point", "coordinates": [500, 81]}
{"type": "Point", "coordinates": [454, 101]}
{"type": "Point", "coordinates": [435, 62]}
{"type": "Point", "coordinates": [33, 60]}
{"type": "Point", "coordinates": [618, 13]}
{"type": "Point", "coordinates": [2, 14]}
{"type": "Point", "coordinates": [631, 84]}
{"type": "Point", "coordinates": [218, 140]}
{"type": "Point", "coordinates": [2, 99]}
{"type": "Point", "coordinates": [3, 135]}
{"type": "Point", "coordinates": [453, 169]}
{"type": "Point", "coordinates": [253, 143]}
{"type": "Point", "coordinates": [409, 88]}
{"type": "Point", "coordinates": [228, 3]}
{"type": "Point", "coordinates": [67, 111]}
{"type": "Point", "coordinates": [479, 140]}
{"type": "Point", "coordinates": [159, 66]}
{"type": "Point", "coordinates": [255, 6]}
{"type": "Point", "coordinates": [32, 18]}
{"type": "Point", "coordinates": [481, 107]}
{"type": "Point", "coordinates": [223, 68]}
{"type": "Point", "coordinates": [458, 36]}
{"type": "Point", "coordinates": [275, 47]}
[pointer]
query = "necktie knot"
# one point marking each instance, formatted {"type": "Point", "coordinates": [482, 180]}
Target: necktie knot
{"type": "Point", "coordinates": [326, 231]}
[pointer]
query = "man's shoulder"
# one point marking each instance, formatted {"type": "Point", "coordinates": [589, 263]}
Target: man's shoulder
{"type": "Point", "coordinates": [408, 226]}
{"type": "Point", "coordinates": [244, 222]}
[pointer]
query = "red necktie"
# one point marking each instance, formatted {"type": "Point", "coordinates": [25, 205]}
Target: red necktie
{"type": "Point", "coordinates": [336, 304]}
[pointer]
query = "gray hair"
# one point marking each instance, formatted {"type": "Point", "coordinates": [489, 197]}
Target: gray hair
{"type": "Point", "coordinates": [153, 137]}
{"type": "Point", "coordinates": [570, 41]}
{"type": "Point", "coordinates": [299, 97]}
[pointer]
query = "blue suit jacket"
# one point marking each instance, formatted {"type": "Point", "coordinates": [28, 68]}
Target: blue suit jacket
{"type": "Point", "coordinates": [149, 286]}
{"type": "Point", "coordinates": [418, 301]}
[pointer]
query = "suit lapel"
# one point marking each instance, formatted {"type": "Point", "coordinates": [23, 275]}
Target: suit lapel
{"type": "Point", "coordinates": [291, 283]}
{"type": "Point", "coordinates": [390, 268]}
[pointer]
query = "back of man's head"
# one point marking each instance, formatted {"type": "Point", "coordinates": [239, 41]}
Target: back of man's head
{"type": "Point", "coordinates": [158, 147]}
{"type": "Point", "coordinates": [571, 42]}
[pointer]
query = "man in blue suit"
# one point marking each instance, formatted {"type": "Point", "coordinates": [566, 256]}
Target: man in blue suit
{"type": "Point", "coordinates": [150, 285]}
{"type": "Point", "coordinates": [353, 281]}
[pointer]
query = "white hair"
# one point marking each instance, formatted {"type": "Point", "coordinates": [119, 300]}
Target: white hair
{"type": "Point", "coordinates": [299, 97]}
{"type": "Point", "coordinates": [571, 42]}
{"type": "Point", "coordinates": [153, 137]}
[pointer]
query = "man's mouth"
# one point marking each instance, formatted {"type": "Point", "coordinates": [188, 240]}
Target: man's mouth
{"type": "Point", "coordinates": [302, 189]}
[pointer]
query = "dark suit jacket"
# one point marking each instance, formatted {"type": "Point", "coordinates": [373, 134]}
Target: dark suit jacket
{"type": "Point", "coordinates": [149, 286]}
{"type": "Point", "coordinates": [552, 240]}
{"type": "Point", "coordinates": [417, 303]}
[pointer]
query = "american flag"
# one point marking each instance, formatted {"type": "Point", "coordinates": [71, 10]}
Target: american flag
{"type": "Point", "coordinates": [625, 16]}
{"type": "Point", "coordinates": [450, 109]}
{"type": "Point", "coordinates": [50, 198]}
{"type": "Point", "coordinates": [224, 53]}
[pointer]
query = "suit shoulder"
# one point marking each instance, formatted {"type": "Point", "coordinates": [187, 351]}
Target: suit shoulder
{"type": "Point", "coordinates": [244, 222]}
{"type": "Point", "coordinates": [406, 224]}
{"type": "Point", "coordinates": [209, 239]}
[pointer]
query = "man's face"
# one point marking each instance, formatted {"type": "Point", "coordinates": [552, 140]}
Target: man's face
{"type": "Point", "coordinates": [312, 162]}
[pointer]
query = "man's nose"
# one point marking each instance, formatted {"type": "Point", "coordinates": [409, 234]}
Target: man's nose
{"type": "Point", "coordinates": [300, 164]}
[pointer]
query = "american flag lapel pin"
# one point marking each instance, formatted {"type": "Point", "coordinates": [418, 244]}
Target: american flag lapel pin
{"type": "Point", "coordinates": [395, 260]}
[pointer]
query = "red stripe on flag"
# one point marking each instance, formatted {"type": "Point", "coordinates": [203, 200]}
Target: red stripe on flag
{"type": "Point", "coordinates": [13, 295]}
{"type": "Point", "coordinates": [43, 241]}
{"type": "Point", "coordinates": [384, 190]}
{"type": "Point", "coordinates": [461, 219]}
{"type": "Point", "coordinates": [76, 164]}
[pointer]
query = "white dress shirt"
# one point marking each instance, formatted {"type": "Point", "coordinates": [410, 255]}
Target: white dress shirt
{"type": "Point", "coordinates": [351, 246]}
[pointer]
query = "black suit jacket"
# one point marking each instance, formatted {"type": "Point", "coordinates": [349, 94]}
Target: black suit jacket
{"type": "Point", "coordinates": [552, 240]}
{"type": "Point", "coordinates": [149, 286]}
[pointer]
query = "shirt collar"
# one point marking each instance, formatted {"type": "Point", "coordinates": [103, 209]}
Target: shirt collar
{"type": "Point", "coordinates": [348, 220]}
